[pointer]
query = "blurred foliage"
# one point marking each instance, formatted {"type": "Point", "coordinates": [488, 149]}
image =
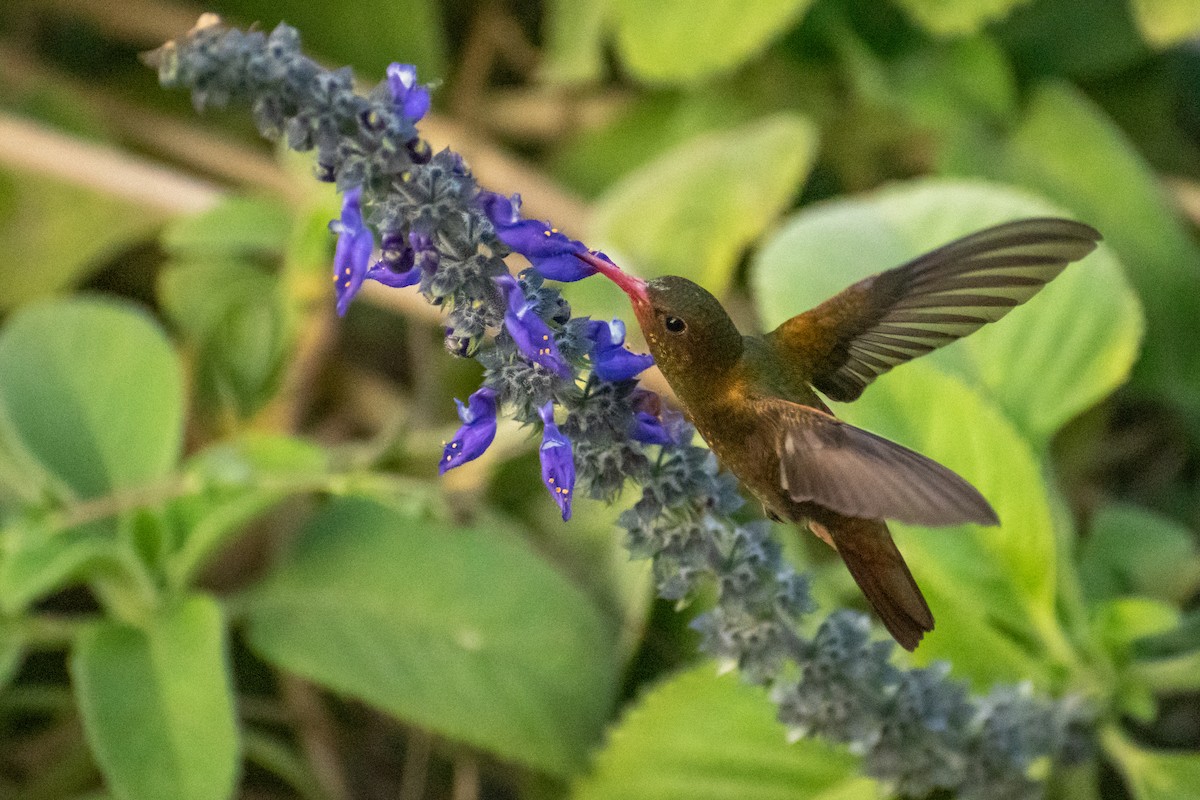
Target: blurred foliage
{"type": "Point", "coordinates": [227, 567]}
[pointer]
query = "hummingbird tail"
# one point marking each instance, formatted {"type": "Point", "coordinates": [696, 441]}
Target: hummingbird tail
{"type": "Point", "coordinates": [867, 548]}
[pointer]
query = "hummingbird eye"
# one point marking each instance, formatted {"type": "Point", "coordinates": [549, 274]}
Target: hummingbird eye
{"type": "Point", "coordinates": [675, 324]}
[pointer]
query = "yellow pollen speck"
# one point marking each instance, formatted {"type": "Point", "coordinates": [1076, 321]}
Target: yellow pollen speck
{"type": "Point", "coordinates": [347, 285]}
{"type": "Point", "coordinates": [555, 230]}
{"type": "Point", "coordinates": [347, 270]}
{"type": "Point", "coordinates": [545, 336]}
{"type": "Point", "coordinates": [551, 480]}
{"type": "Point", "coordinates": [335, 278]}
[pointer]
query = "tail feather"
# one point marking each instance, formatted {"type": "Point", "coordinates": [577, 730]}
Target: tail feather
{"type": "Point", "coordinates": [867, 548]}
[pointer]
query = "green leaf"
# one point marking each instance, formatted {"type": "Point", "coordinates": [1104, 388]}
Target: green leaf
{"type": "Point", "coordinates": [49, 245]}
{"type": "Point", "coordinates": [679, 41]}
{"type": "Point", "coordinates": [647, 128]}
{"type": "Point", "coordinates": [574, 51]}
{"type": "Point", "coordinates": [368, 34]}
{"type": "Point", "coordinates": [1081, 38]}
{"type": "Point", "coordinates": [1170, 675]}
{"type": "Point", "coordinates": [1133, 551]}
{"type": "Point", "coordinates": [1008, 573]}
{"type": "Point", "coordinates": [157, 704]}
{"type": "Point", "coordinates": [1118, 624]}
{"type": "Point", "coordinates": [1046, 362]}
{"type": "Point", "coordinates": [242, 480]}
{"type": "Point", "coordinates": [1067, 149]}
{"type": "Point", "coordinates": [693, 211]}
{"type": "Point", "coordinates": [1151, 774]}
{"type": "Point", "coordinates": [1167, 22]}
{"type": "Point", "coordinates": [957, 17]}
{"type": "Point", "coordinates": [233, 315]}
{"type": "Point", "coordinates": [93, 390]}
{"type": "Point", "coordinates": [465, 632]}
{"type": "Point", "coordinates": [237, 226]}
{"type": "Point", "coordinates": [40, 557]}
{"type": "Point", "coordinates": [698, 736]}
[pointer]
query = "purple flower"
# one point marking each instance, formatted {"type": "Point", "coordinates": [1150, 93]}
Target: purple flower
{"type": "Point", "coordinates": [531, 333]}
{"type": "Point", "coordinates": [558, 463]}
{"type": "Point", "coordinates": [647, 428]}
{"type": "Point", "coordinates": [353, 253]}
{"type": "Point", "coordinates": [610, 360]}
{"type": "Point", "coordinates": [402, 263]}
{"type": "Point", "coordinates": [476, 433]}
{"type": "Point", "coordinates": [550, 252]}
{"type": "Point", "coordinates": [411, 100]}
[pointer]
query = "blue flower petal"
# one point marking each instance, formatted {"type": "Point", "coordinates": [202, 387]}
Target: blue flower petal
{"type": "Point", "coordinates": [558, 462]}
{"type": "Point", "coordinates": [647, 429]}
{"type": "Point", "coordinates": [610, 360]}
{"type": "Point", "coordinates": [618, 364]}
{"type": "Point", "coordinates": [532, 335]}
{"type": "Point", "coordinates": [411, 99]}
{"type": "Point", "coordinates": [476, 433]}
{"type": "Point", "coordinates": [352, 257]}
{"type": "Point", "coordinates": [396, 280]}
{"type": "Point", "coordinates": [551, 253]}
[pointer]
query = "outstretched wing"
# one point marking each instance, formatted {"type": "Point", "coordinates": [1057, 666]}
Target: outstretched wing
{"type": "Point", "coordinates": [856, 473]}
{"type": "Point", "coordinates": [895, 316]}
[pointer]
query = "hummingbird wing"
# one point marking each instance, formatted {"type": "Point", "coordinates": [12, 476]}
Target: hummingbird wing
{"type": "Point", "coordinates": [829, 462]}
{"type": "Point", "coordinates": [897, 315]}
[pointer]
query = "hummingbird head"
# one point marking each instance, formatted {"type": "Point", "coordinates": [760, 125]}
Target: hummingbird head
{"type": "Point", "coordinates": [691, 337]}
{"type": "Point", "coordinates": [689, 333]}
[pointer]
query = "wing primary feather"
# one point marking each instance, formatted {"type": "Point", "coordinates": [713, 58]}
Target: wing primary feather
{"type": "Point", "coordinates": [928, 302]}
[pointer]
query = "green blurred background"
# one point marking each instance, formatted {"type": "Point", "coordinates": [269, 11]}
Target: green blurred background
{"type": "Point", "coordinates": [203, 472]}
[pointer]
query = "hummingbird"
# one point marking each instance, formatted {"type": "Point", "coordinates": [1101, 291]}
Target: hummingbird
{"type": "Point", "coordinates": [755, 401]}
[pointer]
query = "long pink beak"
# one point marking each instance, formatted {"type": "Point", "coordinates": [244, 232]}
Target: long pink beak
{"type": "Point", "coordinates": [632, 285]}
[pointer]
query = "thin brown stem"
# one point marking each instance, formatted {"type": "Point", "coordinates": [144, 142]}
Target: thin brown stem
{"type": "Point", "coordinates": [318, 737]}
{"type": "Point", "coordinates": [415, 774]}
{"type": "Point", "coordinates": [466, 777]}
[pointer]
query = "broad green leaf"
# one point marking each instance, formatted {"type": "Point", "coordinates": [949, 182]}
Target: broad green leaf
{"type": "Point", "coordinates": [233, 315]}
{"type": "Point", "coordinates": [1133, 551]}
{"type": "Point", "coordinates": [698, 736]}
{"type": "Point", "coordinates": [1080, 38]}
{"type": "Point", "coordinates": [94, 391]}
{"type": "Point", "coordinates": [1170, 675]}
{"type": "Point", "coordinates": [238, 226]}
{"type": "Point", "coordinates": [465, 632]}
{"type": "Point", "coordinates": [39, 557]}
{"type": "Point", "coordinates": [1067, 149]}
{"type": "Point", "coordinates": [1154, 774]}
{"type": "Point", "coordinates": [368, 34]}
{"type": "Point", "coordinates": [693, 211]}
{"type": "Point", "coordinates": [590, 549]}
{"type": "Point", "coordinates": [242, 479]}
{"type": "Point", "coordinates": [680, 41]}
{"type": "Point", "coordinates": [1001, 577]}
{"type": "Point", "coordinates": [1123, 620]}
{"type": "Point", "coordinates": [649, 127]}
{"type": "Point", "coordinates": [574, 51]}
{"type": "Point", "coordinates": [49, 244]}
{"type": "Point", "coordinates": [1044, 363]}
{"type": "Point", "coordinates": [1167, 22]}
{"type": "Point", "coordinates": [1118, 624]}
{"type": "Point", "coordinates": [157, 704]}
{"type": "Point", "coordinates": [957, 17]}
